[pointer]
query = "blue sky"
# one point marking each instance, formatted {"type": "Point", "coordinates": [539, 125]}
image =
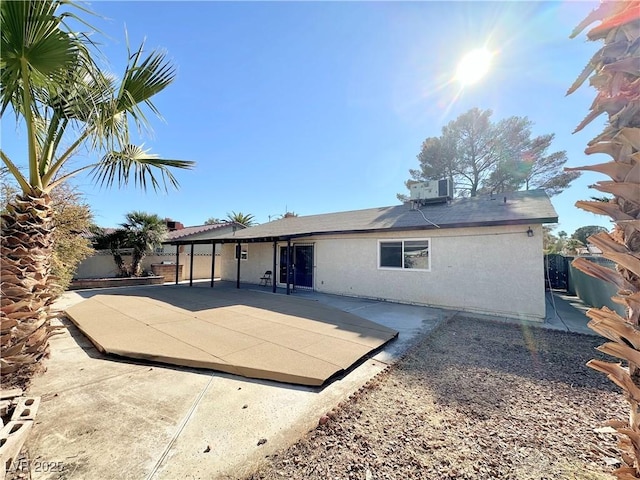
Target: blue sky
{"type": "Point", "coordinates": [317, 107]}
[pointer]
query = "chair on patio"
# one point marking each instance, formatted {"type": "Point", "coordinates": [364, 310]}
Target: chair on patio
{"type": "Point", "coordinates": [265, 279]}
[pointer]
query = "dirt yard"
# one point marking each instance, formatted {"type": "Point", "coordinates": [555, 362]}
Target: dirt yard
{"type": "Point", "coordinates": [474, 400]}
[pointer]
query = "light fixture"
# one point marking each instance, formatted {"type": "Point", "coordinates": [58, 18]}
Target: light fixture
{"type": "Point", "coordinates": [529, 232]}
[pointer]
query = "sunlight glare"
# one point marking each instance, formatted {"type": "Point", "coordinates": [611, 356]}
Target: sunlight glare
{"type": "Point", "coordinates": [473, 66]}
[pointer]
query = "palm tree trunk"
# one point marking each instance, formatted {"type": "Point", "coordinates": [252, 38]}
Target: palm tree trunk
{"type": "Point", "coordinates": [136, 262]}
{"type": "Point", "coordinates": [26, 288]}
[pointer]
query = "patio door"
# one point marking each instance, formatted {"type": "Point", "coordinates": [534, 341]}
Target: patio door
{"type": "Point", "coordinates": [300, 267]}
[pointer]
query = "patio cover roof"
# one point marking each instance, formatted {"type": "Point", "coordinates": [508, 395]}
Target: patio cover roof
{"type": "Point", "coordinates": [516, 208]}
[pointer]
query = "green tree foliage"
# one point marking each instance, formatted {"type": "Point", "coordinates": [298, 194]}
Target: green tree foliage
{"type": "Point", "coordinates": [243, 219]}
{"type": "Point", "coordinates": [551, 243]}
{"type": "Point", "coordinates": [571, 246]}
{"type": "Point", "coordinates": [72, 221]}
{"type": "Point", "coordinates": [72, 224]}
{"type": "Point", "coordinates": [115, 241]}
{"type": "Point", "coordinates": [139, 234]}
{"type": "Point", "coordinates": [143, 232]}
{"type": "Point", "coordinates": [479, 155]}
{"type": "Point", "coordinates": [583, 233]}
{"type": "Point", "coordinates": [214, 221]}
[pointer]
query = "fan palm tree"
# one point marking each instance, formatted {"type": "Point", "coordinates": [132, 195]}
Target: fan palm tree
{"type": "Point", "coordinates": [66, 103]}
{"type": "Point", "coordinates": [614, 72]}
{"type": "Point", "coordinates": [114, 241]}
{"type": "Point", "coordinates": [243, 219]}
{"type": "Point", "coordinates": [143, 232]}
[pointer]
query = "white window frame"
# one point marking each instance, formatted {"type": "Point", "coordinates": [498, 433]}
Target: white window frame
{"type": "Point", "coordinates": [403, 240]}
{"type": "Point", "coordinates": [244, 252]}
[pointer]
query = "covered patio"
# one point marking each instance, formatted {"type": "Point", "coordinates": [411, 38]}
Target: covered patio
{"type": "Point", "coordinates": [245, 332]}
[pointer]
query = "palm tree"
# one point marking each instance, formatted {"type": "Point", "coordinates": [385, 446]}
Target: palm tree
{"type": "Point", "coordinates": [143, 232]}
{"type": "Point", "coordinates": [246, 220]}
{"type": "Point", "coordinates": [114, 241]}
{"type": "Point", "coordinates": [614, 72]}
{"type": "Point", "coordinates": [66, 103]}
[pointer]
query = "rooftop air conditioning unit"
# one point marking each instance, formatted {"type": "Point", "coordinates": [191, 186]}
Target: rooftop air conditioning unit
{"type": "Point", "coordinates": [431, 191]}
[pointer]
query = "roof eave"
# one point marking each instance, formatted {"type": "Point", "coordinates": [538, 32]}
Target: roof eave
{"type": "Point", "coordinates": [284, 237]}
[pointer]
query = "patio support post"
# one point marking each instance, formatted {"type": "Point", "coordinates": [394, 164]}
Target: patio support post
{"type": "Point", "coordinates": [213, 261]}
{"type": "Point", "coordinates": [191, 267]}
{"type": "Point", "coordinates": [274, 277]}
{"type": "Point", "coordinates": [177, 262]}
{"type": "Point", "coordinates": [288, 266]}
{"type": "Point", "coordinates": [238, 254]}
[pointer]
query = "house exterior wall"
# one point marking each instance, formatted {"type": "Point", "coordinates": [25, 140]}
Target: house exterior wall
{"type": "Point", "coordinates": [489, 270]}
{"type": "Point", "coordinates": [186, 249]}
{"type": "Point", "coordinates": [260, 259]}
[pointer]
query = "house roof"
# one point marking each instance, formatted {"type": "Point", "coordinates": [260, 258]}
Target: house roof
{"type": "Point", "coordinates": [517, 208]}
{"type": "Point", "coordinates": [197, 229]}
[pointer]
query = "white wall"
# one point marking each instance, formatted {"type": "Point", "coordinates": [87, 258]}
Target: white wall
{"type": "Point", "coordinates": [493, 270]}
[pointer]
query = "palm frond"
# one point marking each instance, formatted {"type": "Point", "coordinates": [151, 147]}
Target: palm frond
{"type": "Point", "coordinates": [133, 163]}
{"type": "Point", "coordinates": [143, 79]}
{"type": "Point", "coordinates": [31, 34]}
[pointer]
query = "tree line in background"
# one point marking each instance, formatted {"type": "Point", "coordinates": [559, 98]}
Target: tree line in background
{"type": "Point", "coordinates": [481, 156]}
{"type": "Point", "coordinates": [565, 244]}
{"type": "Point", "coordinates": [246, 219]}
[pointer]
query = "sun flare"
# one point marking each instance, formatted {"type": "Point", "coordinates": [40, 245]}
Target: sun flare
{"type": "Point", "coordinates": [473, 66]}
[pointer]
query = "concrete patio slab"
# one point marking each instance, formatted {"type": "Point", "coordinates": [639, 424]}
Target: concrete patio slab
{"type": "Point", "coordinates": [106, 417]}
{"type": "Point", "coordinates": [248, 332]}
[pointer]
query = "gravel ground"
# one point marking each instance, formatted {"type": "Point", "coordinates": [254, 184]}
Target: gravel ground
{"type": "Point", "coordinates": [473, 400]}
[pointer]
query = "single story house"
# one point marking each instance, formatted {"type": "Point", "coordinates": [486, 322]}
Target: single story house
{"type": "Point", "coordinates": [481, 254]}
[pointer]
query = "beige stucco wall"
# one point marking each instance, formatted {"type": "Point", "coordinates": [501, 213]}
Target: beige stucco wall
{"type": "Point", "coordinates": [260, 259]}
{"type": "Point", "coordinates": [197, 249]}
{"type": "Point", "coordinates": [492, 270]}
{"type": "Point", "coordinates": [101, 265]}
